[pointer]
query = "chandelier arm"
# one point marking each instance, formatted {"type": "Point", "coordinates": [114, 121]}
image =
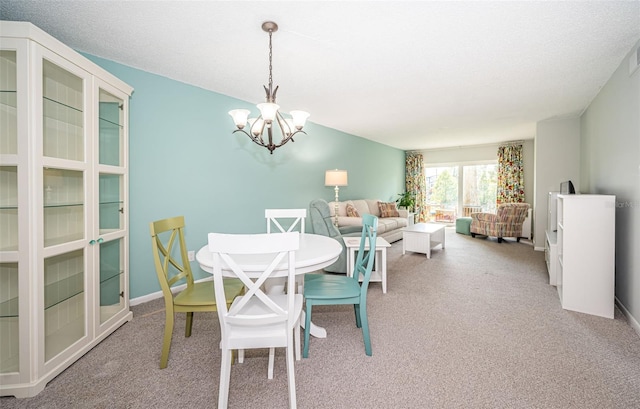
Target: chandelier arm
{"type": "Point", "coordinates": [282, 123]}
{"type": "Point", "coordinates": [257, 141]}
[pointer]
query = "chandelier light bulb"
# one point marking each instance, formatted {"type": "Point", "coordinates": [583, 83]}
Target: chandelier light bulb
{"type": "Point", "coordinates": [239, 117]}
{"type": "Point", "coordinates": [299, 118]}
{"type": "Point", "coordinates": [268, 111]}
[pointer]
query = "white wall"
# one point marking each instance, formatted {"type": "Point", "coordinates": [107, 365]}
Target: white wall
{"type": "Point", "coordinates": [557, 159]}
{"type": "Point", "coordinates": [610, 164]}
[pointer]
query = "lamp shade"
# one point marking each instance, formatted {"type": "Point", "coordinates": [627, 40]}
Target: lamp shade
{"type": "Point", "coordinates": [335, 177]}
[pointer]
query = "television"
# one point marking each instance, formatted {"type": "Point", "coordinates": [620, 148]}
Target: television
{"type": "Point", "coordinates": [566, 188]}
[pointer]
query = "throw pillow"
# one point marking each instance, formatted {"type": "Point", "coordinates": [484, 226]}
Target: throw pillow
{"type": "Point", "coordinates": [352, 211]}
{"type": "Point", "coordinates": [388, 209]}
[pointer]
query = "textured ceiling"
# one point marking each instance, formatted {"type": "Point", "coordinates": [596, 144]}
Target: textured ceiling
{"type": "Point", "coordinates": [409, 74]}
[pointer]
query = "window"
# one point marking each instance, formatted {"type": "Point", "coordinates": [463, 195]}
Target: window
{"type": "Point", "coordinates": [459, 190]}
{"type": "Point", "coordinates": [442, 193]}
{"type": "Point", "coordinates": [479, 188]}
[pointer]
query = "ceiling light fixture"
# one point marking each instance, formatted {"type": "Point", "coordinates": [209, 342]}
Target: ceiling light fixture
{"type": "Point", "coordinates": [269, 113]}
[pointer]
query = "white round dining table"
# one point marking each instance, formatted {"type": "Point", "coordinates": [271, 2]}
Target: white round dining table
{"type": "Point", "coordinates": [315, 253]}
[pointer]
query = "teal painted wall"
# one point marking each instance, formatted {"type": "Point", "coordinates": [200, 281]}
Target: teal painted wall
{"type": "Point", "coordinates": [183, 160]}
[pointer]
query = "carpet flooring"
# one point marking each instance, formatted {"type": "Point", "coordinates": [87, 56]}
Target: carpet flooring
{"type": "Point", "coordinates": [476, 326]}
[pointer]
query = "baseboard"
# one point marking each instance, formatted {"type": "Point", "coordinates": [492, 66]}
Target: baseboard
{"type": "Point", "coordinates": [158, 294]}
{"type": "Point", "coordinates": [632, 321]}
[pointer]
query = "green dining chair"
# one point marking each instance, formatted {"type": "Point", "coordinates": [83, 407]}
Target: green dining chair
{"type": "Point", "coordinates": [167, 239]}
{"type": "Point", "coordinates": [330, 289]}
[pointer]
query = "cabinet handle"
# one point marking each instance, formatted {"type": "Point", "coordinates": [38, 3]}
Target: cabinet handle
{"type": "Point", "coordinates": [121, 210]}
{"type": "Point", "coordinates": [122, 294]}
{"type": "Point", "coordinates": [100, 240]}
{"type": "Point", "coordinates": [92, 242]}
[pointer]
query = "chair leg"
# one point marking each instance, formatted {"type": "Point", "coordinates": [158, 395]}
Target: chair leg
{"type": "Point", "coordinates": [365, 329]}
{"type": "Point", "coordinates": [189, 324]}
{"type": "Point", "coordinates": [296, 334]}
{"type": "Point", "coordinates": [225, 375]}
{"type": "Point", "coordinates": [307, 329]}
{"type": "Point", "coordinates": [356, 309]}
{"type": "Point", "coordinates": [166, 343]}
{"type": "Point", "coordinates": [291, 375]}
{"type": "Point", "coordinates": [272, 353]}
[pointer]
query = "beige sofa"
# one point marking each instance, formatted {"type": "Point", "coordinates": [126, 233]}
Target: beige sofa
{"type": "Point", "coordinates": [389, 228]}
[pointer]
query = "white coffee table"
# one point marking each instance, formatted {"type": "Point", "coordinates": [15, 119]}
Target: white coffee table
{"type": "Point", "coordinates": [380, 273]}
{"type": "Point", "coordinates": [422, 237]}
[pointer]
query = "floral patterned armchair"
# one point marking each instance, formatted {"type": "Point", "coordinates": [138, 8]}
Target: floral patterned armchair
{"type": "Point", "coordinates": [507, 222]}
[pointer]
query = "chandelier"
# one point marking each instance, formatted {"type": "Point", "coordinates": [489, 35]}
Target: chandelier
{"type": "Point", "coordinates": [269, 114]}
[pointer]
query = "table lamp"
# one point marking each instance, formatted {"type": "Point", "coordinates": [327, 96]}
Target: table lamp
{"type": "Point", "coordinates": [335, 178]}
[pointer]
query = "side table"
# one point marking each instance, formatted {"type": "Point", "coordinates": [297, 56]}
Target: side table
{"type": "Point", "coordinates": [380, 273]}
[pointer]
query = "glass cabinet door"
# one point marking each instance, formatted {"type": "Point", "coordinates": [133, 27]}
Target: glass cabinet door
{"type": "Point", "coordinates": [64, 211]}
{"type": "Point", "coordinates": [111, 278]}
{"type": "Point", "coordinates": [111, 195]}
{"type": "Point", "coordinates": [8, 103]}
{"type": "Point", "coordinates": [9, 288]}
{"type": "Point", "coordinates": [9, 329]}
{"type": "Point", "coordinates": [63, 301]}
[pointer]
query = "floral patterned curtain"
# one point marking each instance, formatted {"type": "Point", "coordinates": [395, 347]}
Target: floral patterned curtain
{"type": "Point", "coordinates": [415, 183]}
{"type": "Point", "coordinates": [510, 174]}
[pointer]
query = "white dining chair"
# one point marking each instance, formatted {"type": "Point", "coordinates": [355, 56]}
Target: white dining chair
{"type": "Point", "coordinates": [275, 218]}
{"type": "Point", "coordinates": [284, 221]}
{"type": "Point", "coordinates": [256, 319]}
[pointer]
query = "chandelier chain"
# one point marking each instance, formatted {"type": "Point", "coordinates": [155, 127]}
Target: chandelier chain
{"type": "Point", "coordinates": [270, 64]}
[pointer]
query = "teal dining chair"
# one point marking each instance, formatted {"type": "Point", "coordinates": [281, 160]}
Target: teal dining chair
{"type": "Point", "coordinates": [330, 289]}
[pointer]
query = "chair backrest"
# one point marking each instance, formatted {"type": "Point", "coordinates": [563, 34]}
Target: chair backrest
{"type": "Point", "coordinates": [512, 213]}
{"type": "Point", "coordinates": [275, 216]}
{"type": "Point", "coordinates": [321, 220]}
{"type": "Point", "coordinates": [365, 258]}
{"type": "Point", "coordinates": [254, 308]}
{"type": "Point", "coordinates": [167, 239]}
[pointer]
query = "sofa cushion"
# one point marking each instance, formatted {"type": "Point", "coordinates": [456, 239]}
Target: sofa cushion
{"type": "Point", "coordinates": [362, 206]}
{"type": "Point", "coordinates": [352, 211]}
{"type": "Point", "coordinates": [388, 209]}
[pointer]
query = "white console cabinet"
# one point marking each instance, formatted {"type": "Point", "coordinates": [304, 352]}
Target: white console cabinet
{"type": "Point", "coordinates": [63, 207]}
{"type": "Point", "coordinates": [586, 253]}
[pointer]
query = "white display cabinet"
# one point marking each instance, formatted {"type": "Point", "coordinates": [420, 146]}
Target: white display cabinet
{"type": "Point", "coordinates": [586, 253]}
{"type": "Point", "coordinates": [63, 207]}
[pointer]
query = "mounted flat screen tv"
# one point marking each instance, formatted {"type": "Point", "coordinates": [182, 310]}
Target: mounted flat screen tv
{"type": "Point", "coordinates": [566, 188]}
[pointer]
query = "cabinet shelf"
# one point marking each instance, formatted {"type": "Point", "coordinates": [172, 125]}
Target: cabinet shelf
{"type": "Point", "coordinates": [62, 112]}
{"type": "Point", "coordinates": [54, 294]}
{"type": "Point", "coordinates": [9, 99]}
{"type": "Point", "coordinates": [62, 290]}
{"type": "Point", "coordinates": [58, 205]}
{"type": "Point", "coordinates": [108, 124]}
{"type": "Point", "coordinates": [9, 308]}
{"type": "Point", "coordinates": [110, 276]}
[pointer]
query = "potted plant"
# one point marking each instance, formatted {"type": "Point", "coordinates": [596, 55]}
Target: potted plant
{"type": "Point", "coordinates": [406, 200]}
